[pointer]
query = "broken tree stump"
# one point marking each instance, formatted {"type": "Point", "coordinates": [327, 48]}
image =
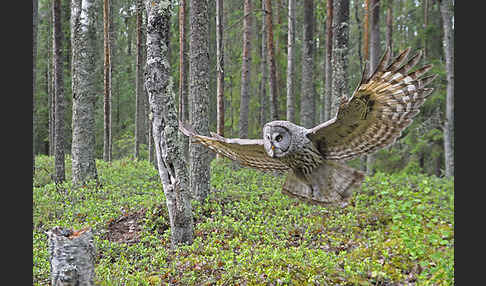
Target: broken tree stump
{"type": "Point", "coordinates": [72, 257]}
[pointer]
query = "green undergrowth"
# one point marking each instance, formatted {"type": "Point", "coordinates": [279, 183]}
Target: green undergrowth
{"type": "Point", "coordinates": [398, 230]}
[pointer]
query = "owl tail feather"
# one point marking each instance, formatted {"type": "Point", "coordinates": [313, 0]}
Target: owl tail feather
{"type": "Point", "coordinates": [331, 183]}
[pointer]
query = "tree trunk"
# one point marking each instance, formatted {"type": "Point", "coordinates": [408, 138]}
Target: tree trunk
{"type": "Point", "coordinates": [58, 93]}
{"type": "Point", "coordinates": [271, 58]}
{"type": "Point", "coordinates": [158, 82]}
{"type": "Point", "coordinates": [307, 108]}
{"type": "Point", "coordinates": [183, 88]}
{"type": "Point", "coordinates": [340, 51]}
{"type": "Point", "coordinates": [329, 41]}
{"type": "Point", "coordinates": [107, 82]}
{"type": "Point", "coordinates": [72, 257]}
{"type": "Point", "coordinates": [374, 60]}
{"type": "Point", "coordinates": [199, 94]}
{"type": "Point", "coordinates": [389, 26]}
{"type": "Point", "coordinates": [35, 24]}
{"type": "Point", "coordinates": [426, 23]}
{"type": "Point", "coordinates": [366, 28]}
{"type": "Point", "coordinates": [290, 63]}
{"type": "Point", "coordinates": [220, 67]}
{"type": "Point", "coordinates": [139, 102]}
{"type": "Point", "coordinates": [446, 8]}
{"type": "Point", "coordinates": [245, 71]}
{"type": "Point", "coordinates": [83, 43]}
{"type": "Point", "coordinates": [50, 83]}
{"type": "Point", "coordinates": [263, 67]}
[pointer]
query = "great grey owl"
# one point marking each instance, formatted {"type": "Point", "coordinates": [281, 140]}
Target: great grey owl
{"type": "Point", "coordinates": [382, 106]}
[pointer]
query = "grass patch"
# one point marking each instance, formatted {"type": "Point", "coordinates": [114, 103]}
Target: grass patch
{"type": "Point", "coordinates": [399, 229]}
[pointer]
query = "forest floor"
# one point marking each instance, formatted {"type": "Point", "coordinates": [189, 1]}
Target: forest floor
{"type": "Point", "coordinates": [398, 230]}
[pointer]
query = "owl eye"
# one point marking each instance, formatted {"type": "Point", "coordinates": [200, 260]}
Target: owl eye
{"type": "Point", "coordinates": [278, 138]}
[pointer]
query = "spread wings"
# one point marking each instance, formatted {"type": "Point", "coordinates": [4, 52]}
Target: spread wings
{"type": "Point", "coordinates": [248, 152]}
{"type": "Point", "coordinates": [380, 108]}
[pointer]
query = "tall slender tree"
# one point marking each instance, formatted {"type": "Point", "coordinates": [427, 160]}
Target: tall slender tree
{"type": "Point", "coordinates": [35, 25]}
{"type": "Point", "coordinates": [220, 67]}
{"type": "Point", "coordinates": [271, 58]}
{"type": "Point", "coordinates": [245, 71]}
{"type": "Point", "coordinates": [340, 51]}
{"type": "Point", "coordinates": [374, 60]}
{"type": "Point", "coordinates": [291, 62]}
{"type": "Point", "coordinates": [389, 25]}
{"type": "Point", "coordinates": [263, 70]}
{"type": "Point", "coordinates": [139, 94]}
{"type": "Point", "coordinates": [446, 8]}
{"type": "Point", "coordinates": [58, 93]}
{"type": "Point", "coordinates": [307, 105]}
{"type": "Point", "coordinates": [183, 88]}
{"type": "Point", "coordinates": [172, 171]}
{"type": "Point", "coordinates": [83, 44]}
{"type": "Point", "coordinates": [199, 95]}
{"type": "Point", "coordinates": [107, 82]}
{"type": "Point", "coordinates": [329, 40]}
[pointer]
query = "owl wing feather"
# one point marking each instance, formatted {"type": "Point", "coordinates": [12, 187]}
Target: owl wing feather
{"type": "Point", "coordinates": [248, 152]}
{"type": "Point", "coordinates": [382, 106]}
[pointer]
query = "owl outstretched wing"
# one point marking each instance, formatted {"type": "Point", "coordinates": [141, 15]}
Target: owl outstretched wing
{"type": "Point", "coordinates": [248, 152]}
{"type": "Point", "coordinates": [382, 106]}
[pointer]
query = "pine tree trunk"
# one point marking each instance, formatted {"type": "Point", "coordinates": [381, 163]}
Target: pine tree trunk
{"type": "Point", "coordinates": [59, 94]}
{"type": "Point", "coordinates": [107, 82]}
{"type": "Point", "coordinates": [340, 51]}
{"type": "Point", "coordinates": [158, 82]}
{"type": "Point", "coordinates": [366, 28]}
{"type": "Point", "coordinates": [139, 101]}
{"type": "Point", "coordinates": [72, 257]}
{"type": "Point", "coordinates": [307, 108]}
{"type": "Point", "coordinates": [83, 43]}
{"type": "Point", "coordinates": [263, 69]}
{"type": "Point", "coordinates": [220, 67]}
{"type": "Point", "coordinates": [291, 63]}
{"type": "Point", "coordinates": [446, 8]}
{"type": "Point", "coordinates": [35, 24]}
{"type": "Point", "coordinates": [245, 71]}
{"type": "Point", "coordinates": [271, 58]}
{"type": "Point", "coordinates": [183, 87]}
{"type": "Point", "coordinates": [329, 40]}
{"type": "Point", "coordinates": [374, 60]}
{"type": "Point", "coordinates": [199, 96]}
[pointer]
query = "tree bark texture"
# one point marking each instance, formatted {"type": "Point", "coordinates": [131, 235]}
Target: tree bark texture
{"type": "Point", "coordinates": [271, 59]}
{"type": "Point", "coordinates": [107, 82]}
{"type": "Point", "coordinates": [245, 71]}
{"type": "Point", "coordinates": [83, 43]}
{"type": "Point", "coordinates": [199, 94]}
{"type": "Point", "coordinates": [72, 257]}
{"type": "Point", "coordinates": [220, 68]}
{"type": "Point", "coordinates": [183, 88]}
{"type": "Point", "coordinates": [446, 8]}
{"type": "Point", "coordinates": [374, 60]}
{"type": "Point", "coordinates": [291, 62]}
{"type": "Point", "coordinates": [59, 94]}
{"type": "Point", "coordinates": [389, 26]}
{"type": "Point", "coordinates": [158, 82]}
{"type": "Point", "coordinates": [366, 41]}
{"type": "Point", "coordinates": [340, 51]}
{"type": "Point", "coordinates": [35, 20]}
{"type": "Point", "coordinates": [329, 41]}
{"type": "Point", "coordinates": [139, 101]}
{"type": "Point", "coordinates": [307, 105]}
{"type": "Point", "coordinates": [263, 69]}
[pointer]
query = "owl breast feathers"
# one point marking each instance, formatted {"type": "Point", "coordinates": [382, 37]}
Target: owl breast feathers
{"type": "Point", "coordinates": [381, 106]}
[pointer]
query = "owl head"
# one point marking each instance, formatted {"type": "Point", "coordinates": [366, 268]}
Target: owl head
{"type": "Point", "coordinates": [277, 138]}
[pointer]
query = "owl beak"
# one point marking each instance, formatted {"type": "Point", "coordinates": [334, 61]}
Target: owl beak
{"type": "Point", "coordinates": [273, 148]}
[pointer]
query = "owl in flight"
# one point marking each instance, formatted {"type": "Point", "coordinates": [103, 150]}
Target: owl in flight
{"type": "Point", "coordinates": [381, 107]}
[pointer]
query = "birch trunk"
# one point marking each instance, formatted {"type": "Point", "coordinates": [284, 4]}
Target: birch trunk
{"type": "Point", "coordinates": [72, 257]}
{"type": "Point", "coordinates": [158, 82]}
{"type": "Point", "coordinates": [307, 96]}
{"type": "Point", "coordinates": [329, 41]}
{"type": "Point", "coordinates": [340, 51]}
{"type": "Point", "coordinates": [290, 63]}
{"type": "Point", "coordinates": [59, 94]}
{"type": "Point", "coordinates": [107, 82]}
{"type": "Point", "coordinates": [83, 43]}
{"type": "Point", "coordinates": [183, 88]}
{"type": "Point", "coordinates": [245, 71]}
{"type": "Point", "coordinates": [220, 68]}
{"type": "Point", "coordinates": [139, 101]}
{"type": "Point", "coordinates": [446, 8]}
{"type": "Point", "coordinates": [199, 94]}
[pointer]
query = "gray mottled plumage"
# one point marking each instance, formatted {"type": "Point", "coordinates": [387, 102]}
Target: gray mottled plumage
{"type": "Point", "coordinates": [379, 109]}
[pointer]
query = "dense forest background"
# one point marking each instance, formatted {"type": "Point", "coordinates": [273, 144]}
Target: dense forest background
{"type": "Point", "coordinates": [400, 23]}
